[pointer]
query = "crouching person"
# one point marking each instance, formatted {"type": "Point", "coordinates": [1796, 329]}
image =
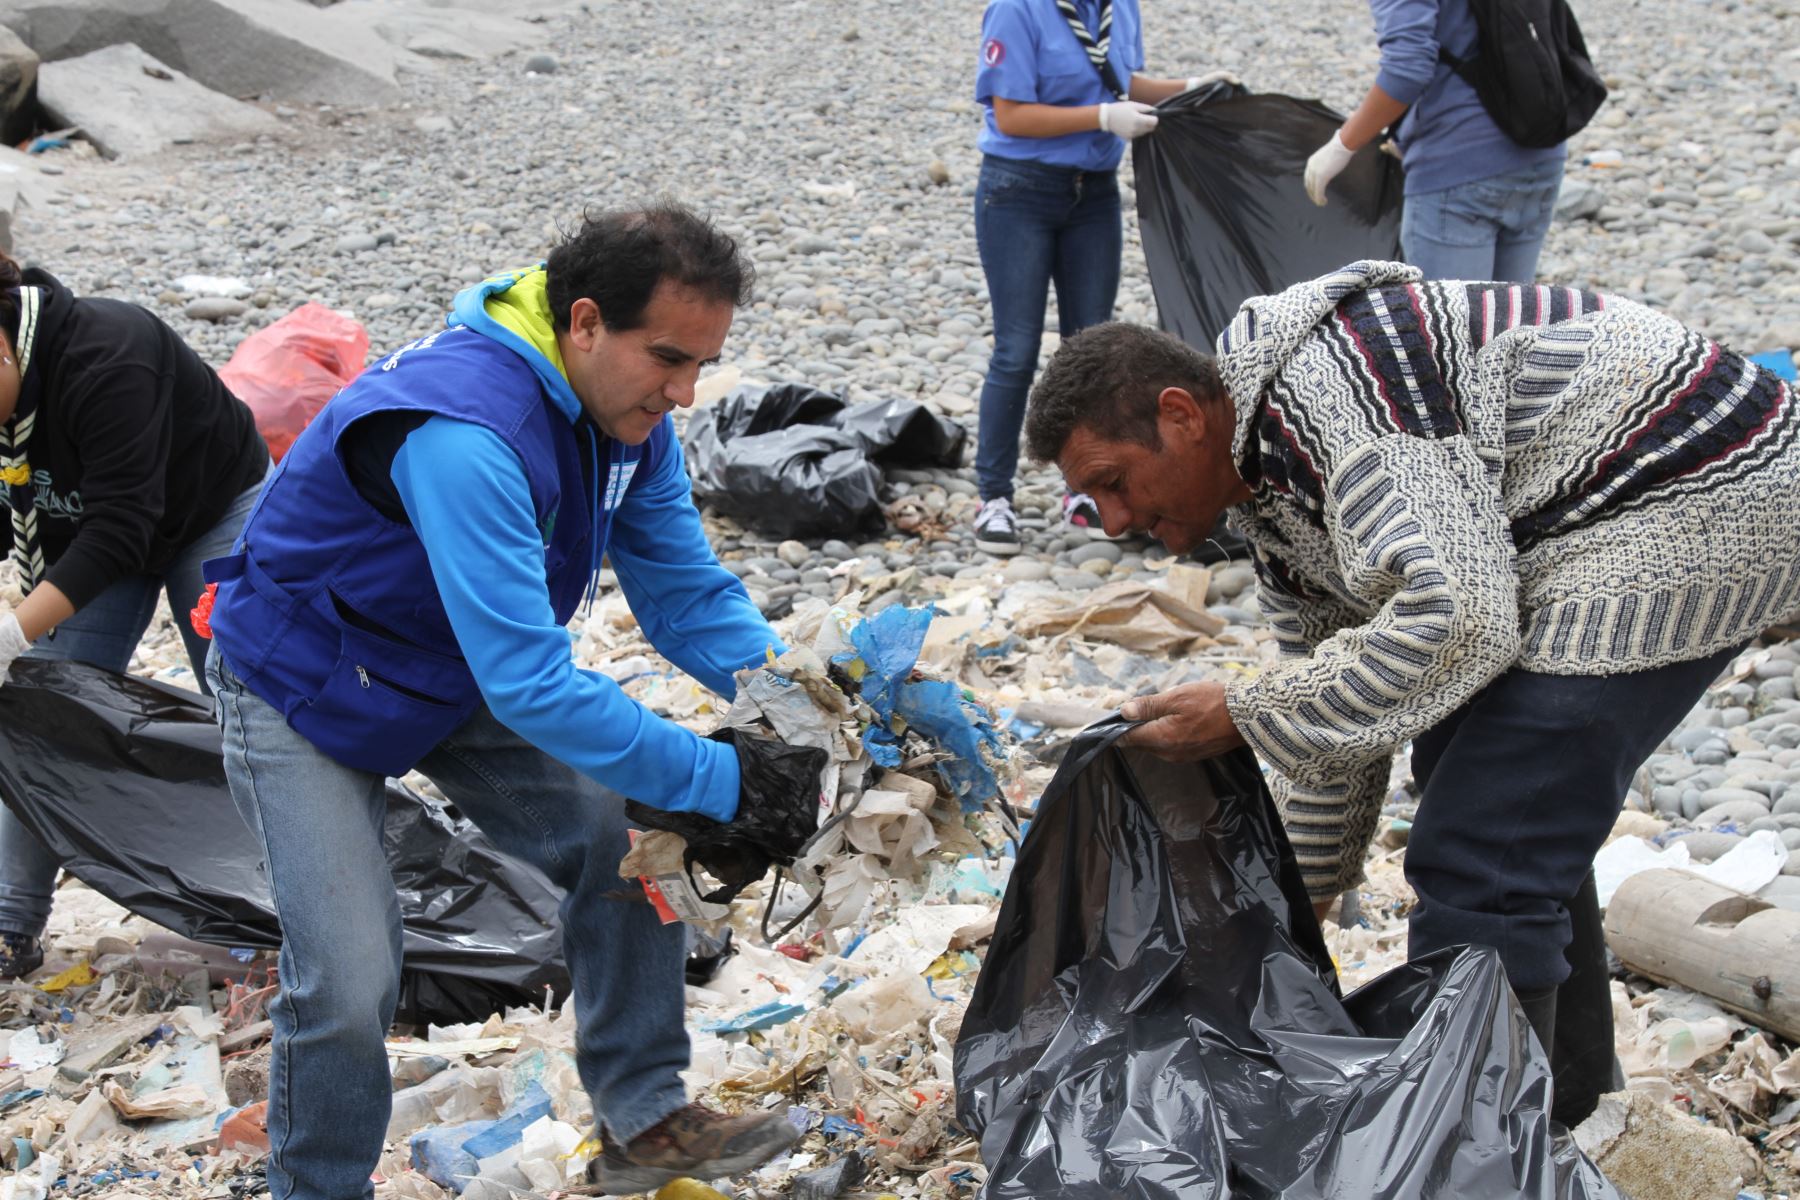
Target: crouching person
{"type": "Point", "coordinates": [125, 463]}
{"type": "Point", "coordinates": [398, 601]}
{"type": "Point", "coordinates": [1523, 528]}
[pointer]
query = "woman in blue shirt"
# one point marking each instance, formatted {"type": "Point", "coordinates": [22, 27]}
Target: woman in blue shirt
{"type": "Point", "coordinates": [1478, 204]}
{"type": "Point", "coordinates": [1063, 95]}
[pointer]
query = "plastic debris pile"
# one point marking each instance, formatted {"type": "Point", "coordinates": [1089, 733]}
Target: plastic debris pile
{"type": "Point", "coordinates": [851, 1021]}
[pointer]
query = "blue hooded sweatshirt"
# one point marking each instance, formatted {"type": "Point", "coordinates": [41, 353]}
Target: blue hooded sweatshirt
{"type": "Point", "coordinates": [492, 485]}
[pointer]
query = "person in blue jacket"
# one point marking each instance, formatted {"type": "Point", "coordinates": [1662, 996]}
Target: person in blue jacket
{"type": "Point", "coordinates": [1062, 86]}
{"type": "Point", "coordinates": [398, 600]}
{"type": "Point", "coordinates": [1478, 204]}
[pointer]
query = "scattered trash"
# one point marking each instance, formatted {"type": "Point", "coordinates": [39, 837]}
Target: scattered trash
{"type": "Point", "coordinates": [26, 1051]}
{"type": "Point", "coordinates": [1746, 867]}
{"type": "Point", "coordinates": [1139, 616]}
{"type": "Point", "coordinates": [795, 461]}
{"type": "Point", "coordinates": [287, 372]}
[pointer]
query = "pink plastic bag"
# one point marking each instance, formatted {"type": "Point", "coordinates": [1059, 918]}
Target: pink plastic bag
{"type": "Point", "coordinates": [287, 372]}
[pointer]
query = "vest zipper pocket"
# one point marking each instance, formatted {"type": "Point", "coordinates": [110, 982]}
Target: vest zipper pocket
{"type": "Point", "coordinates": [362, 676]}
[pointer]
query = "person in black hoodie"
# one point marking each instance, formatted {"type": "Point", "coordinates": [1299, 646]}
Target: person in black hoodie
{"type": "Point", "coordinates": [124, 464]}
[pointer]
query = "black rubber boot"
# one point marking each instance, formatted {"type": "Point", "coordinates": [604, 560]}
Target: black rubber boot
{"type": "Point", "coordinates": [1581, 1053]}
{"type": "Point", "coordinates": [1540, 1010]}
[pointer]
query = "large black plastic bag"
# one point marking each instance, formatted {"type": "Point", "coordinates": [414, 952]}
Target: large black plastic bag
{"type": "Point", "coordinates": [1158, 1018]}
{"type": "Point", "coordinates": [122, 779]}
{"type": "Point", "coordinates": [794, 461]}
{"type": "Point", "coordinates": [1224, 213]}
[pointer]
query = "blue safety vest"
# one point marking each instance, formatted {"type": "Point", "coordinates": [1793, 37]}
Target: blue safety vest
{"type": "Point", "coordinates": [328, 611]}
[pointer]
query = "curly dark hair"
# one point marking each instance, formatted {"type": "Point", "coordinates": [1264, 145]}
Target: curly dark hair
{"type": "Point", "coordinates": [1107, 378]}
{"type": "Point", "coordinates": [617, 257]}
{"type": "Point", "coordinates": [11, 279]}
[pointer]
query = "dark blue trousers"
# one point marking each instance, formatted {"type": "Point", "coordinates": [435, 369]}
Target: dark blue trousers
{"type": "Point", "coordinates": [1521, 785]}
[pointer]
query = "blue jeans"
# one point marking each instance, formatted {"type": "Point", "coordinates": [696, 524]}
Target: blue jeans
{"type": "Point", "coordinates": [1485, 229]}
{"type": "Point", "coordinates": [1036, 225]}
{"type": "Point", "coordinates": [104, 634]}
{"type": "Point", "coordinates": [320, 822]}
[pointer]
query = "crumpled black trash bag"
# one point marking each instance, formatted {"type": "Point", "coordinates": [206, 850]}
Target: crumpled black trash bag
{"type": "Point", "coordinates": [1224, 213]}
{"type": "Point", "coordinates": [121, 778]}
{"type": "Point", "coordinates": [778, 813]}
{"type": "Point", "coordinates": [1158, 1018]}
{"type": "Point", "coordinates": [794, 461]}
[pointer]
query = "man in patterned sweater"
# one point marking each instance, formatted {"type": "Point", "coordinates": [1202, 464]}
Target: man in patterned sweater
{"type": "Point", "coordinates": [1521, 527]}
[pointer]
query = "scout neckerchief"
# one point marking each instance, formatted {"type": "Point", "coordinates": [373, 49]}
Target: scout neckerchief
{"type": "Point", "coordinates": [1096, 50]}
{"type": "Point", "coordinates": [15, 437]}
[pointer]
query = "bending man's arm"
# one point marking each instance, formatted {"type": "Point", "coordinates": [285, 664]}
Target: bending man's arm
{"type": "Point", "coordinates": [467, 496]}
{"type": "Point", "coordinates": [695, 612]}
{"type": "Point", "coordinates": [1414, 519]}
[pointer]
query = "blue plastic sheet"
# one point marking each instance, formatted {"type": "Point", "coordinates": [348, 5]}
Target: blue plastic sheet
{"type": "Point", "coordinates": [888, 646]}
{"type": "Point", "coordinates": [1779, 361]}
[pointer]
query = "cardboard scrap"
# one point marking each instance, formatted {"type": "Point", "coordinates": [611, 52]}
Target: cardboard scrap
{"type": "Point", "coordinates": [182, 1100]}
{"type": "Point", "coordinates": [1131, 613]}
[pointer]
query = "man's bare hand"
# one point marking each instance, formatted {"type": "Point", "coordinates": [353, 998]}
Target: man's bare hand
{"type": "Point", "coordinates": [1183, 724]}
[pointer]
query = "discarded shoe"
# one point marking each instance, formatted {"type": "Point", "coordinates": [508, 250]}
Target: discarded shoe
{"type": "Point", "coordinates": [1080, 513]}
{"type": "Point", "coordinates": [693, 1141]}
{"type": "Point", "coordinates": [20, 955]}
{"type": "Point", "coordinates": [996, 529]}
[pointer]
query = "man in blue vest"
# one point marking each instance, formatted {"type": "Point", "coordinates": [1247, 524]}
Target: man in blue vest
{"type": "Point", "coordinates": [399, 601]}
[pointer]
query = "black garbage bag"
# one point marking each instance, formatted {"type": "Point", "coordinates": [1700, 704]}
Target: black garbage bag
{"type": "Point", "coordinates": [121, 778]}
{"type": "Point", "coordinates": [1224, 213]}
{"type": "Point", "coordinates": [1158, 1018]}
{"type": "Point", "coordinates": [794, 461]}
{"type": "Point", "coordinates": [777, 815]}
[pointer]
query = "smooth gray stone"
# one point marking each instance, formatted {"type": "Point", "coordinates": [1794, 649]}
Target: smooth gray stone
{"type": "Point", "coordinates": [1103, 551]}
{"type": "Point", "coordinates": [1739, 812]}
{"type": "Point", "coordinates": [1705, 847]}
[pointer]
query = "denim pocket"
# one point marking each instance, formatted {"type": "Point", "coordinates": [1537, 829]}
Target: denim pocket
{"type": "Point", "coordinates": [1465, 215]}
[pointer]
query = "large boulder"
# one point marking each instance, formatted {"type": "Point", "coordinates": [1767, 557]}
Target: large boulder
{"type": "Point", "coordinates": [243, 48]}
{"type": "Point", "coordinates": [18, 87]}
{"type": "Point", "coordinates": [128, 104]}
{"type": "Point", "coordinates": [435, 31]}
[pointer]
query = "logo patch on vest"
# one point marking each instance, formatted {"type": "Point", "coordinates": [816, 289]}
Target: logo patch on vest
{"type": "Point", "coordinates": [617, 481]}
{"type": "Point", "coordinates": [423, 343]}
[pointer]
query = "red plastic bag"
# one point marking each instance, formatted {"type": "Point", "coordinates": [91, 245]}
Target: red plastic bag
{"type": "Point", "coordinates": [287, 372]}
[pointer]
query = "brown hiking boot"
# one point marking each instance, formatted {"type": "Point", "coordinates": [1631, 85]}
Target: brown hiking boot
{"type": "Point", "coordinates": [693, 1141]}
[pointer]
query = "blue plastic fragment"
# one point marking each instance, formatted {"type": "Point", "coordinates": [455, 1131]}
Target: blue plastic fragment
{"type": "Point", "coordinates": [19, 1097]}
{"type": "Point", "coordinates": [841, 1127]}
{"type": "Point", "coordinates": [449, 1155]}
{"type": "Point", "coordinates": [1781, 362]}
{"type": "Point", "coordinates": [532, 1104]}
{"type": "Point", "coordinates": [763, 1016]}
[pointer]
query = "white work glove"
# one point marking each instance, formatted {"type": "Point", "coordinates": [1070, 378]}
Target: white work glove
{"type": "Point", "coordinates": [1128, 118]}
{"type": "Point", "coordinates": [1325, 165]}
{"type": "Point", "coordinates": [12, 643]}
{"type": "Point", "coordinates": [1200, 81]}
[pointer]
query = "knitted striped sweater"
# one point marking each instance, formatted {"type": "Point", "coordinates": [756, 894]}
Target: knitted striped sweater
{"type": "Point", "coordinates": [1450, 479]}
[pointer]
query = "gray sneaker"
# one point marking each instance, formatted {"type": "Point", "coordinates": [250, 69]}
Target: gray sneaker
{"type": "Point", "coordinates": [692, 1142]}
